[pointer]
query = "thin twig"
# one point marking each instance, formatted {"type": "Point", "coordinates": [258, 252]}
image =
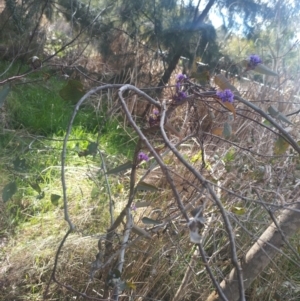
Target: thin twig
{"type": "Point", "coordinates": [64, 150]}
{"type": "Point", "coordinates": [111, 205]}
{"type": "Point", "coordinates": [52, 277]}
{"type": "Point", "coordinates": [284, 133]}
{"type": "Point", "coordinates": [126, 235]}
{"type": "Point", "coordinates": [148, 144]}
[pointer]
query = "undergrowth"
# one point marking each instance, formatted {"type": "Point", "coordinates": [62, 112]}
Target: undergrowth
{"type": "Point", "coordinates": [32, 220]}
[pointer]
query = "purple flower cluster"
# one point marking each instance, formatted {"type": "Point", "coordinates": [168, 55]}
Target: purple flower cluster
{"type": "Point", "coordinates": [142, 156]}
{"type": "Point", "coordinates": [226, 95]}
{"type": "Point", "coordinates": [154, 118]}
{"type": "Point", "coordinates": [254, 60]}
{"type": "Point", "coordinates": [133, 207]}
{"type": "Point", "coordinates": [155, 112]}
{"type": "Point", "coordinates": [180, 95]}
{"type": "Point", "coordinates": [180, 77]}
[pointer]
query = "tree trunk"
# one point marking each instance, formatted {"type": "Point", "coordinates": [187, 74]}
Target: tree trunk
{"type": "Point", "coordinates": [261, 253]}
{"type": "Point", "coordinates": [174, 61]}
{"type": "Point", "coordinates": [168, 72]}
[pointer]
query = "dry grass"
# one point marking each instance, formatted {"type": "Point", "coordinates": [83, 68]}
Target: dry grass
{"type": "Point", "coordinates": [157, 266]}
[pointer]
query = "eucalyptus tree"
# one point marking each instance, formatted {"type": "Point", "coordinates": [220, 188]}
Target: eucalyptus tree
{"type": "Point", "coordinates": [183, 29]}
{"type": "Point", "coordinates": [175, 28]}
{"type": "Point", "coordinates": [20, 30]}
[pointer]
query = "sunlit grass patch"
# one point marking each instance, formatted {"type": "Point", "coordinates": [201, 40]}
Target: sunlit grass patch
{"type": "Point", "coordinates": [41, 110]}
{"type": "Point", "coordinates": [37, 225]}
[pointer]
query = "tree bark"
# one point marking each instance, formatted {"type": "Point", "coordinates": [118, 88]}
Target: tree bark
{"type": "Point", "coordinates": [261, 253]}
{"type": "Point", "coordinates": [172, 66]}
{"type": "Point", "coordinates": [176, 57]}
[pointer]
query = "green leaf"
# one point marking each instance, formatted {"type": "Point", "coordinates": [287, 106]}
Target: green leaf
{"type": "Point", "coordinates": [224, 83]}
{"type": "Point", "coordinates": [268, 123]}
{"type": "Point", "coordinates": [95, 192]}
{"type": "Point", "coordinates": [238, 210]}
{"type": "Point", "coordinates": [76, 147]}
{"type": "Point", "coordinates": [130, 285]}
{"type": "Point", "coordinates": [3, 94]}
{"type": "Point", "coordinates": [73, 91]}
{"type": "Point", "coordinates": [227, 130]}
{"type": "Point", "coordinates": [8, 191]}
{"type": "Point", "coordinates": [273, 111]}
{"type": "Point", "coordinates": [20, 164]}
{"type": "Point", "coordinates": [55, 198]}
{"type": "Point", "coordinates": [280, 146]}
{"type": "Point", "coordinates": [141, 232]}
{"type": "Point", "coordinates": [150, 221]}
{"type": "Point", "coordinates": [36, 187]}
{"type": "Point", "coordinates": [283, 118]}
{"type": "Point", "coordinates": [92, 148]}
{"type": "Point", "coordinates": [119, 168]}
{"type": "Point", "coordinates": [145, 186]}
{"type": "Point", "coordinates": [260, 68]}
{"type": "Point", "coordinates": [229, 155]}
{"type": "Point", "coordinates": [196, 157]}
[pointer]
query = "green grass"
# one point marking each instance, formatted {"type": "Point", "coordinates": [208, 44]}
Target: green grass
{"type": "Point", "coordinates": [38, 108]}
{"type": "Point", "coordinates": [41, 110]}
{"type": "Point", "coordinates": [38, 119]}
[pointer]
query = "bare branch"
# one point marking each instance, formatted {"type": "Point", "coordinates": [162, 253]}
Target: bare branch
{"type": "Point", "coordinates": [285, 134]}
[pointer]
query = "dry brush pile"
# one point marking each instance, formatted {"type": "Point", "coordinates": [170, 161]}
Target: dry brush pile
{"type": "Point", "coordinates": [197, 216]}
{"type": "Point", "coordinates": [207, 179]}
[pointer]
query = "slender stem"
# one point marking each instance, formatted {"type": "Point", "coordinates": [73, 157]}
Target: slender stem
{"type": "Point", "coordinates": [151, 148]}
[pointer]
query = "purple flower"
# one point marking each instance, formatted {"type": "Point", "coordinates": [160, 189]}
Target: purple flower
{"type": "Point", "coordinates": [180, 77]}
{"type": "Point", "coordinates": [154, 118]}
{"type": "Point", "coordinates": [155, 112]}
{"type": "Point", "coordinates": [254, 60]}
{"type": "Point", "coordinates": [226, 95]}
{"type": "Point", "coordinates": [133, 207]}
{"type": "Point", "coordinates": [142, 156]}
{"type": "Point", "coordinates": [179, 96]}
